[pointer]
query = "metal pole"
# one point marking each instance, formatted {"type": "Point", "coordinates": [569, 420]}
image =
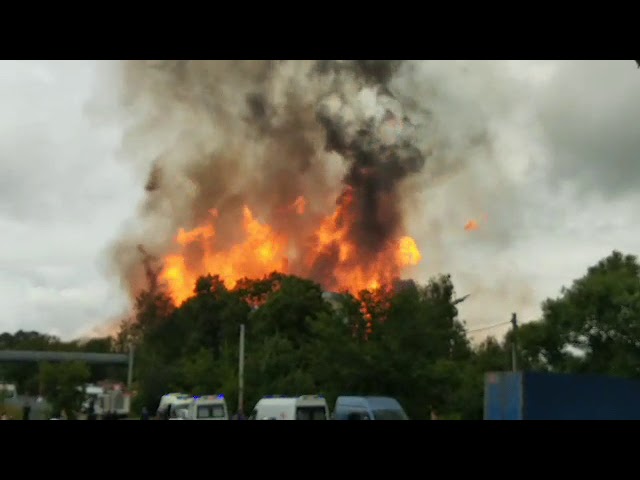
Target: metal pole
{"type": "Point", "coordinates": [130, 373]}
{"type": "Point", "coordinates": [514, 341]}
{"type": "Point", "coordinates": [241, 370]}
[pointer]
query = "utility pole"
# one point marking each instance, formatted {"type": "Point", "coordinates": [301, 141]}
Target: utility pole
{"type": "Point", "coordinates": [241, 370]}
{"type": "Point", "coordinates": [514, 342]}
{"type": "Point", "coordinates": [130, 372]}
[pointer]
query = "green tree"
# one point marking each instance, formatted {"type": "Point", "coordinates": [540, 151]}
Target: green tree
{"type": "Point", "coordinates": [414, 352]}
{"type": "Point", "coordinates": [63, 385]}
{"type": "Point", "coordinates": [211, 318]}
{"type": "Point", "coordinates": [276, 367]}
{"type": "Point", "coordinates": [25, 375]}
{"type": "Point", "coordinates": [278, 335]}
{"type": "Point", "coordinates": [200, 372]}
{"type": "Point", "coordinates": [488, 356]}
{"type": "Point", "coordinates": [189, 348]}
{"type": "Point", "coordinates": [593, 327]}
{"type": "Point", "coordinates": [418, 348]}
{"type": "Point", "coordinates": [339, 356]}
{"type": "Point", "coordinates": [155, 377]}
{"type": "Point", "coordinates": [152, 307]}
{"type": "Point", "coordinates": [289, 310]}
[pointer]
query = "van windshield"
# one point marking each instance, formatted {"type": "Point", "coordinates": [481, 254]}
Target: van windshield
{"type": "Point", "coordinates": [383, 414]}
{"type": "Point", "coordinates": [311, 413]}
{"type": "Point", "coordinates": [210, 411]}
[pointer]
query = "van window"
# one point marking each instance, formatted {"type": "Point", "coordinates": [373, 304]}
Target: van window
{"type": "Point", "coordinates": [382, 414]}
{"type": "Point", "coordinates": [311, 413]}
{"type": "Point", "coordinates": [358, 415]}
{"type": "Point", "coordinates": [210, 411]}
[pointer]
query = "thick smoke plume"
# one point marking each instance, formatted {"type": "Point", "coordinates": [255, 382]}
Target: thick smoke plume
{"type": "Point", "coordinates": [263, 133]}
{"type": "Point", "coordinates": [364, 139]}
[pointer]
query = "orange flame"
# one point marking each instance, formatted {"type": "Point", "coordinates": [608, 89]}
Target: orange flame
{"type": "Point", "coordinates": [471, 226]}
{"type": "Point", "coordinates": [299, 205]}
{"type": "Point", "coordinates": [263, 251]}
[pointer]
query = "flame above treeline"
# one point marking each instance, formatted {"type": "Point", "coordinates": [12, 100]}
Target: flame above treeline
{"type": "Point", "coordinates": [297, 167]}
{"type": "Point", "coordinates": [264, 250]}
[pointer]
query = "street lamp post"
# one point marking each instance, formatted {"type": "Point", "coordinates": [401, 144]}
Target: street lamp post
{"type": "Point", "coordinates": [130, 371]}
{"type": "Point", "coordinates": [514, 343]}
{"type": "Point", "coordinates": [241, 370]}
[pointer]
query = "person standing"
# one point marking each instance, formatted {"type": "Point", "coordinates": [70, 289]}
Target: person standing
{"type": "Point", "coordinates": [239, 415]}
{"type": "Point", "coordinates": [26, 410]}
{"type": "Point", "coordinates": [91, 410]}
{"type": "Point", "coordinates": [433, 414]}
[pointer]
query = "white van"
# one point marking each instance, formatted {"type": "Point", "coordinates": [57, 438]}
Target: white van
{"type": "Point", "coordinates": [205, 407]}
{"type": "Point", "coordinates": [171, 402]}
{"type": "Point", "coordinates": [306, 407]}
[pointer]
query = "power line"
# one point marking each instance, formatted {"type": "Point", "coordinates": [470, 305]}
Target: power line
{"type": "Point", "coordinates": [487, 327]}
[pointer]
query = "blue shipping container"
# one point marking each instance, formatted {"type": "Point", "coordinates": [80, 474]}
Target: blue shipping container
{"type": "Point", "coordinates": [545, 396]}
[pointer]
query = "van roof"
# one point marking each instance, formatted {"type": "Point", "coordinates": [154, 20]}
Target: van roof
{"type": "Point", "coordinates": [208, 398]}
{"type": "Point", "coordinates": [371, 401]}
{"type": "Point", "coordinates": [309, 400]}
{"type": "Point", "coordinates": [301, 397]}
{"type": "Point", "coordinates": [177, 395]}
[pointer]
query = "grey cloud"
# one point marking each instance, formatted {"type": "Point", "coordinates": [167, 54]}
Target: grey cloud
{"type": "Point", "coordinates": [62, 199]}
{"type": "Point", "coordinates": [550, 129]}
{"type": "Point", "coordinates": [590, 111]}
{"type": "Point", "coordinates": [63, 311]}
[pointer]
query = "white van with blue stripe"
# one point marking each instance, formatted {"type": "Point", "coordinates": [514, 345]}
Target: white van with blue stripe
{"type": "Point", "coordinates": [305, 407]}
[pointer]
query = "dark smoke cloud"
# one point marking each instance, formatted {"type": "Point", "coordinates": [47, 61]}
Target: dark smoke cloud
{"type": "Point", "coordinates": [375, 172]}
{"type": "Point", "coordinates": [223, 134]}
{"type": "Point", "coordinates": [376, 73]}
{"type": "Point", "coordinates": [262, 133]}
{"type": "Point", "coordinates": [375, 167]}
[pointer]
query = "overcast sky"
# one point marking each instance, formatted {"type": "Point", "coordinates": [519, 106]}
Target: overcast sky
{"type": "Point", "coordinates": [64, 195]}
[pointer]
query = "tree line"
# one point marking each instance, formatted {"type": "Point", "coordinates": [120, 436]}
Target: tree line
{"type": "Point", "coordinates": [407, 342]}
{"type": "Point", "coordinates": [57, 381]}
